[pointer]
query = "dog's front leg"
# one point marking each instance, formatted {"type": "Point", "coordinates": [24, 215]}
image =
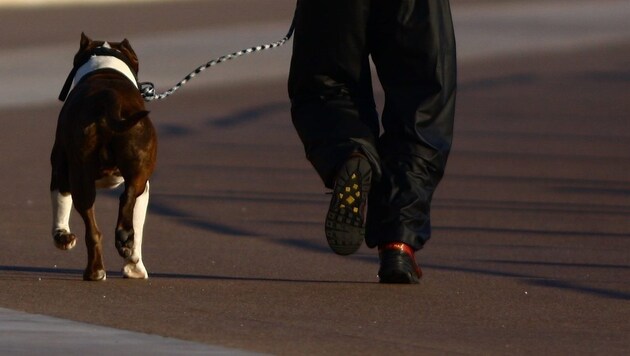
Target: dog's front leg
{"type": "Point", "coordinates": [134, 267]}
{"type": "Point", "coordinates": [61, 208]}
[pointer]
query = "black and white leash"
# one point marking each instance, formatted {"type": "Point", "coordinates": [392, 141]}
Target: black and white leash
{"type": "Point", "coordinates": [147, 89]}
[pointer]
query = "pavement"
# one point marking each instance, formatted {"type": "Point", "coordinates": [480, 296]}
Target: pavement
{"type": "Point", "coordinates": [29, 334]}
{"type": "Point", "coordinates": [63, 3]}
{"type": "Point", "coordinates": [531, 232]}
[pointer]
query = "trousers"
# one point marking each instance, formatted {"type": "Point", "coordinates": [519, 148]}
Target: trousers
{"type": "Point", "coordinates": [412, 46]}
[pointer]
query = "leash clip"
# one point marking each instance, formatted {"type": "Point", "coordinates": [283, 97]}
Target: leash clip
{"type": "Point", "coordinates": [147, 90]}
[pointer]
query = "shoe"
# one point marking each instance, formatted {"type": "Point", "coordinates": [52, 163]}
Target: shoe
{"type": "Point", "coordinates": [398, 264]}
{"type": "Point", "coordinates": [345, 221]}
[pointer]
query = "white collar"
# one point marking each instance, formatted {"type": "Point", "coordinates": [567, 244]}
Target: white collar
{"type": "Point", "coordinates": [101, 62]}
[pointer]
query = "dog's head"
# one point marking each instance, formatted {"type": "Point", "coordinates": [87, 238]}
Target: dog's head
{"type": "Point", "coordinates": [125, 58]}
{"type": "Point", "coordinates": [122, 49]}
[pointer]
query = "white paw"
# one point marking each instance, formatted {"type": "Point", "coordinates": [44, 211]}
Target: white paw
{"type": "Point", "coordinates": [64, 239]}
{"type": "Point", "coordinates": [135, 270]}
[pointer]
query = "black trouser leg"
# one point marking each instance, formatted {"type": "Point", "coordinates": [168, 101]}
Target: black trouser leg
{"type": "Point", "coordinates": [330, 86]}
{"type": "Point", "coordinates": [413, 48]}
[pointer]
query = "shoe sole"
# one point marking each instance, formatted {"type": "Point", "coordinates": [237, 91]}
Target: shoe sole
{"type": "Point", "coordinates": [398, 277]}
{"type": "Point", "coordinates": [345, 221]}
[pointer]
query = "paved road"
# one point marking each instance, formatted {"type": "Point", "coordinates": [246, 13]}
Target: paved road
{"type": "Point", "coordinates": [28, 334]}
{"type": "Point", "coordinates": [530, 250]}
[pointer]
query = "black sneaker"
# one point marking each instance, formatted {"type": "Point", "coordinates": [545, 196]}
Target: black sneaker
{"type": "Point", "coordinates": [398, 264]}
{"type": "Point", "coordinates": [345, 221]}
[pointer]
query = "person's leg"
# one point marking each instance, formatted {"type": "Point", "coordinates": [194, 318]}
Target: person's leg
{"type": "Point", "coordinates": [413, 48]}
{"type": "Point", "coordinates": [330, 87]}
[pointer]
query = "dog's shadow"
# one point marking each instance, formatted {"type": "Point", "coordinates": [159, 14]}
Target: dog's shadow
{"type": "Point", "coordinates": [48, 273]}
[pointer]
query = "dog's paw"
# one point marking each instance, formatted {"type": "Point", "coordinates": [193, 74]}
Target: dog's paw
{"type": "Point", "coordinates": [135, 270]}
{"type": "Point", "coordinates": [64, 240]}
{"type": "Point", "coordinates": [124, 242]}
{"type": "Point", "coordinates": [97, 275]}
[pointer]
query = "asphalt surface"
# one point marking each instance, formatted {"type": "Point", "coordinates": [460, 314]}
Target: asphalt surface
{"type": "Point", "coordinates": [530, 252]}
{"type": "Point", "coordinates": [28, 334]}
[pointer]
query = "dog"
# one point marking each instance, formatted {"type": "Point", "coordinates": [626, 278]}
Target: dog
{"type": "Point", "coordinates": [104, 138]}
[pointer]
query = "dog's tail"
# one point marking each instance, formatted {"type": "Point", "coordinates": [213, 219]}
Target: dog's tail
{"type": "Point", "coordinates": [114, 117]}
{"type": "Point", "coordinates": [118, 123]}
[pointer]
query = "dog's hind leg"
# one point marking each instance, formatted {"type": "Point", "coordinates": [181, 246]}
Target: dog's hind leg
{"type": "Point", "coordinates": [84, 194]}
{"type": "Point", "coordinates": [134, 268]}
{"type": "Point", "coordinates": [61, 208]}
{"type": "Point", "coordinates": [61, 200]}
{"type": "Point", "coordinates": [95, 270]}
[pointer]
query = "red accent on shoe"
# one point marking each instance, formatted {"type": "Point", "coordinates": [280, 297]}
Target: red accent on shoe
{"type": "Point", "coordinates": [404, 248]}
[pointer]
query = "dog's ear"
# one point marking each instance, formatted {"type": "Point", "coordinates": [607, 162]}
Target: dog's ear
{"type": "Point", "coordinates": [126, 45]}
{"type": "Point", "coordinates": [85, 41]}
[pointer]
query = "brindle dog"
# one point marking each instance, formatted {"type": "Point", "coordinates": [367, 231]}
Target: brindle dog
{"type": "Point", "coordinates": [104, 138]}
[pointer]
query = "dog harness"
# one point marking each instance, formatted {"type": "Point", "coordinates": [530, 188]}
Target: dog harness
{"type": "Point", "coordinates": [103, 57]}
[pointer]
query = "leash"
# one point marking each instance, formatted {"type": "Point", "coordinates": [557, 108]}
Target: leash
{"type": "Point", "coordinates": [147, 89]}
